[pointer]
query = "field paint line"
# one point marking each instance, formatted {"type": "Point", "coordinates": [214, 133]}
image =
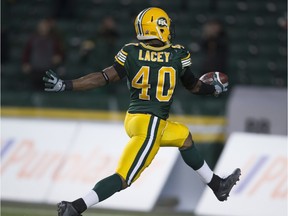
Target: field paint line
{"type": "Point", "coordinates": [25, 211]}
{"type": "Point", "coordinates": [205, 129]}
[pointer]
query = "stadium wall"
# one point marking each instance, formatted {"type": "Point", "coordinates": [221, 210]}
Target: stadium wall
{"type": "Point", "coordinates": [257, 110]}
{"type": "Point", "coordinates": [45, 160]}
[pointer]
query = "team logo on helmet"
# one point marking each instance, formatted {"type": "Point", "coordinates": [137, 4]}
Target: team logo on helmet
{"type": "Point", "coordinates": [162, 22]}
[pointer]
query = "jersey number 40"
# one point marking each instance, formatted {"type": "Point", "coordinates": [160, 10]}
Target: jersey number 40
{"type": "Point", "coordinates": [141, 81]}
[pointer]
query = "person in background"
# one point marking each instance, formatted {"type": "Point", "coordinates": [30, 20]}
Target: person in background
{"type": "Point", "coordinates": [282, 21]}
{"type": "Point", "coordinates": [105, 40]}
{"type": "Point", "coordinates": [214, 44]}
{"type": "Point", "coordinates": [5, 46]}
{"type": "Point", "coordinates": [43, 50]}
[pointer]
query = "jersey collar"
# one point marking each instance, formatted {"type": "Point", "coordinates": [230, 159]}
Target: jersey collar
{"type": "Point", "coordinates": [154, 48]}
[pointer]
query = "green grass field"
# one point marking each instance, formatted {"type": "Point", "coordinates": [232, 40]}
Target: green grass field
{"type": "Point", "coordinates": [27, 209]}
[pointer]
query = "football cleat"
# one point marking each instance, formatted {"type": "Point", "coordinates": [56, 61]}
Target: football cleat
{"type": "Point", "coordinates": [227, 184]}
{"type": "Point", "coordinates": [66, 209]}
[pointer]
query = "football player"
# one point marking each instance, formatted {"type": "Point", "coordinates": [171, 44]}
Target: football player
{"type": "Point", "coordinates": [153, 68]}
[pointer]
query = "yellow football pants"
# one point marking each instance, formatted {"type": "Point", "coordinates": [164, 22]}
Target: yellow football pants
{"type": "Point", "coordinates": [147, 134]}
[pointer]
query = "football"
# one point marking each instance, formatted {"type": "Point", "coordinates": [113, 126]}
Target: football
{"type": "Point", "coordinates": [208, 77]}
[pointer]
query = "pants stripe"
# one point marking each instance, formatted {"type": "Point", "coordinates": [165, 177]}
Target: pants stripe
{"type": "Point", "coordinates": [141, 161]}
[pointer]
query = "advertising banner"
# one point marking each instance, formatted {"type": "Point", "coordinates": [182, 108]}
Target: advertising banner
{"type": "Point", "coordinates": [262, 189]}
{"type": "Point", "coordinates": [47, 161]}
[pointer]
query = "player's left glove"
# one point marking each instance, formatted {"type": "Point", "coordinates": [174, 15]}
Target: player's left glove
{"type": "Point", "coordinates": [53, 82]}
{"type": "Point", "coordinates": [219, 86]}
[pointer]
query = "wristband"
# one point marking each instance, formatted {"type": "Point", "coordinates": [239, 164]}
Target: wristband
{"type": "Point", "coordinates": [68, 85]}
{"type": "Point", "coordinates": [105, 77]}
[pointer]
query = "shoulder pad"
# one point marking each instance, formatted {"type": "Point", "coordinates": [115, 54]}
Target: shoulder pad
{"type": "Point", "coordinates": [123, 53]}
{"type": "Point", "coordinates": [127, 47]}
{"type": "Point", "coordinates": [184, 55]}
{"type": "Point", "coordinates": [132, 44]}
{"type": "Point", "coordinates": [178, 46]}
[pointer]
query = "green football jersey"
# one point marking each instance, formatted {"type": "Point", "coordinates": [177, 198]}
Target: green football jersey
{"type": "Point", "coordinates": [153, 74]}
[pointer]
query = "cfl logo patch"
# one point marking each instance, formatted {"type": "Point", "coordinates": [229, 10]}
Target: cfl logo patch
{"type": "Point", "coordinates": [162, 22]}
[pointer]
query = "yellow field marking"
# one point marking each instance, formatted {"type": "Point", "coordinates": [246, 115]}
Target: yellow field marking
{"type": "Point", "coordinates": [49, 113]}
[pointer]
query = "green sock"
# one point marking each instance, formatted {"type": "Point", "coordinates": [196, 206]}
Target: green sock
{"type": "Point", "coordinates": [192, 157]}
{"type": "Point", "coordinates": [108, 186]}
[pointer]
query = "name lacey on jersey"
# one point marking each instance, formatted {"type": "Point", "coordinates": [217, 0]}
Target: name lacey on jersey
{"type": "Point", "coordinates": [148, 55]}
{"type": "Point", "coordinates": [155, 55]}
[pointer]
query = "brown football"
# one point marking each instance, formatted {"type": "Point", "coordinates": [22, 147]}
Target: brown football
{"type": "Point", "coordinates": [208, 77]}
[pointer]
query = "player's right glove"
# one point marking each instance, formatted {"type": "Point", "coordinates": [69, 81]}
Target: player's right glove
{"type": "Point", "coordinates": [219, 86]}
{"type": "Point", "coordinates": [53, 82]}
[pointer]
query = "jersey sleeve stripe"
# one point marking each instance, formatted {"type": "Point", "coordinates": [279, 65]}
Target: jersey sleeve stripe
{"type": "Point", "coordinates": [187, 57]}
{"type": "Point", "coordinates": [125, 53]}
{"type": "Point", "coordinates": [121, 57]}
{"type": "Point", "coordinates": [120, 62]}
{"type": "Point", "coordinates": [183, 66]}
{"type": "Point", "coordinates": [186, 63]}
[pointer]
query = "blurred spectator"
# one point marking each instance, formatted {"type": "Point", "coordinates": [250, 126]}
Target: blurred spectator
{"type": "Point", "coordinates": [214, 44]}
{"type": "Point", "coordinates": [56, 33]}
{"type": "Point", "coordinates": [99, 51]}
{"type": "Point", "coordinates": [42, 51]}
{"type": "Point", "coordinates": [282, 21]}
{"type": "Point", "coordinates": [5, 48]}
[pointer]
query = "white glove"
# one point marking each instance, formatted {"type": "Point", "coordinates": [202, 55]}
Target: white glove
{"type": "Point", "coordinates": [219, 86]}
{"type": "Point", "coordinates": [53, 82]}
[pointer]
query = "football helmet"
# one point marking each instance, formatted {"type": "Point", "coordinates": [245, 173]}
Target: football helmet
{"type": "Point", "coordinates": [153, 23]}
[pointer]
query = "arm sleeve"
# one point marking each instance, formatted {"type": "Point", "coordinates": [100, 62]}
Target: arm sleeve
{"type": "Point", "coordinates": [188, 79]}
{"type": "Point", "coordinates": [119, 63]}
{"type": "Point", "coordinates": [186, 60]}
{"type": "Point", "coordinates": [120, 69]}
{"type": "Point", "coordinates": [121, 57]}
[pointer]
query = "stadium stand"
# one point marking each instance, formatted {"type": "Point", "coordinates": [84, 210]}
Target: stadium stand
{"type": "Point", "coordinates": [258, 46]}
